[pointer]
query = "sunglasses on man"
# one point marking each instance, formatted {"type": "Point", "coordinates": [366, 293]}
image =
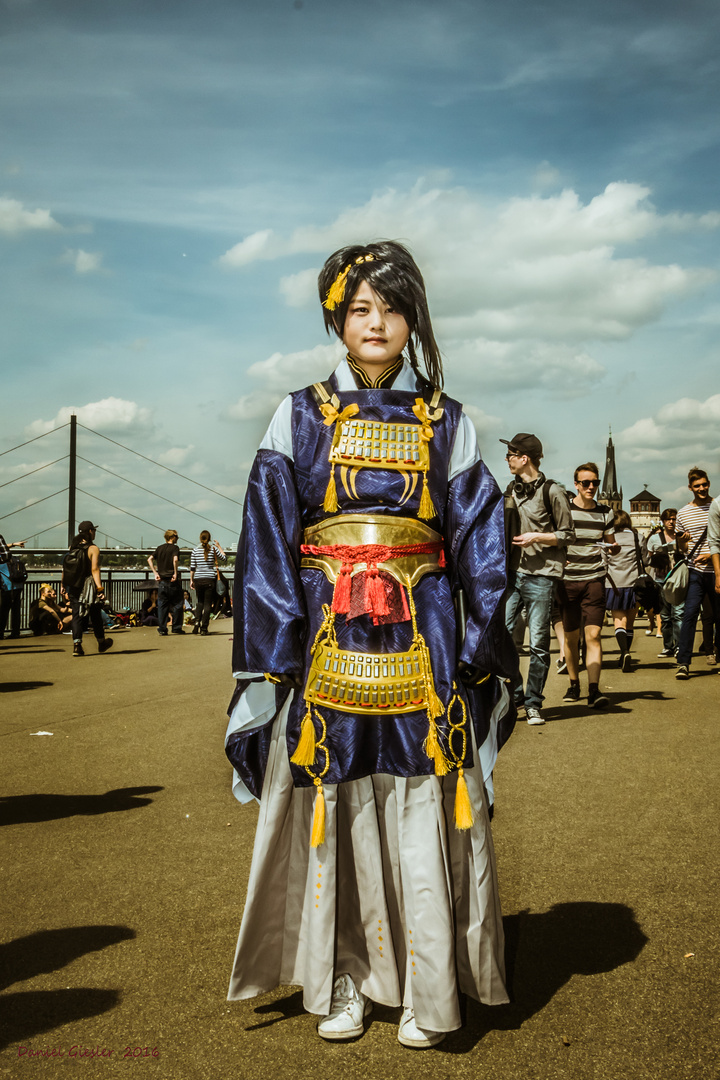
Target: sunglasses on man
{"type": "Point", "coordinates": [589, 483]}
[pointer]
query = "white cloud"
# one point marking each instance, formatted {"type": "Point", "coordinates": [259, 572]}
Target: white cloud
{"type": "Point", "coordinates": [253, 406]}
{"type": "Point", "coordinates": [110, 414]}
{"type": "Point", "coordinates": [14, 218]}
{"type": "Point", "coordinates": [524, 365]}
{"type": "Point", "coordinates": [283, 371]}
{"type": "Point", "coordinates": [175, 456]}
{"type": "Point", "coordinates": [300, 290]}
{"type": "Point", "coordinates": [546, 175]}
{"type": "Point", "coordinates": [84, 262]}
{"type": "Point", "coordinates": [542, 268]}
{"type": "Point", "coordinates": [251, 249]}
{"type": "Point", "coordinates": [682, 433]}
{"type": "Point", "coordinates": [485, 425]}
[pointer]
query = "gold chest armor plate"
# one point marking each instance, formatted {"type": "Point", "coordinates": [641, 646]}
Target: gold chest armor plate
{"type": "Point", "coordinates": [373, 444]}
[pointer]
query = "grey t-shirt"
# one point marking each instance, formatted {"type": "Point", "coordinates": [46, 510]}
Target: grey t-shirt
{"type": "Point", "coordinates": [539, 559]}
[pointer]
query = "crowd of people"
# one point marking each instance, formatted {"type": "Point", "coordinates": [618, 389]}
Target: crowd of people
{"type": "Point", "coordinates": [572, 560]}
{"type": "Point", "coordinates": [83, 605]}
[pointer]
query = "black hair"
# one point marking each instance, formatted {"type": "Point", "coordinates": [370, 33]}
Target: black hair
{"type": "Point", "coordinates": [395, 277]}
{"type": "Point", "coordinates": [82, 538]}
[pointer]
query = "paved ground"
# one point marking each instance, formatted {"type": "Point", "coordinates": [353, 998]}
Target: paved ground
{"type": "Point", "coordinates": [125, 860]}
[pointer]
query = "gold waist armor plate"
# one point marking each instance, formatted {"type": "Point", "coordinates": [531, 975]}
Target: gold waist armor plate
{"type": "Point", "coordinates": [357, 529]}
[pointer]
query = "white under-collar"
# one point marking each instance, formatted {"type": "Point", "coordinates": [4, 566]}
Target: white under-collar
{"type": "Point", "coordinates": [406, 379]}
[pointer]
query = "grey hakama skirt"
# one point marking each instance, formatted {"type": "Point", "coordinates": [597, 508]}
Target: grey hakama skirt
{"type": "Point", "coordinates": [396, 897]}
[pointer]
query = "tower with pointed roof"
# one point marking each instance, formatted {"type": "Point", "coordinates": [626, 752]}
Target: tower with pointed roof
{"type": "Point", "coordinates": [610, 494]}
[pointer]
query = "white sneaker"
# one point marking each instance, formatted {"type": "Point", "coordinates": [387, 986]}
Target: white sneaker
{"type": "Point", "coordinates": [409, 1034]}
{"type": "Point", "coordinates": [347, 1010]}
{"type": "Point", "coordinates": [534, 716]}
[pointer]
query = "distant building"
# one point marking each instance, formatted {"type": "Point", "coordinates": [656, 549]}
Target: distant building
{"type": "Point", "coordinates": [645, 511]}
{"type": "Point", "coordinates": [610, 494]}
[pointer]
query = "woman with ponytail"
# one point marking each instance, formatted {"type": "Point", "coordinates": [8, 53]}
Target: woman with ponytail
{"type": "Point", "coordinates": [203, 575]}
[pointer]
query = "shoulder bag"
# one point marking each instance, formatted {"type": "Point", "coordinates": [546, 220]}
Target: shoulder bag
{"type": "Point", "coordinates": [675, 586]}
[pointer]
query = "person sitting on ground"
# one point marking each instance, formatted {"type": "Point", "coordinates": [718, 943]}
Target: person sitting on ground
{"type": "Point", "coordinates": [622, 572]}
{"type": "Point", "coordinates": [46, 616]}
{"type": "Point", "coordinates": [149, 610]}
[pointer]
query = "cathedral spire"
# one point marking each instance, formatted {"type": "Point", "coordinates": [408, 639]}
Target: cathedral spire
{"type": "Point", "coordinates": [610, 493]}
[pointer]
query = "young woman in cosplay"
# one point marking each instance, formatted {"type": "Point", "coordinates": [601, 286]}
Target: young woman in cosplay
{"type": "Point", "coordinates": [362, 697]}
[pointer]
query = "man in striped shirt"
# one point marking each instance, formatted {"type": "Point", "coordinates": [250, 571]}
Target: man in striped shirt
{"type": "Point", "coordinates": [691, 531]}
{"type": "Point", "coordinates": [581, 593]}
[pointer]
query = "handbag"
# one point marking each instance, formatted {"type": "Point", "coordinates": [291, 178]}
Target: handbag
{"type": "Point", "coordinates": [675, 586]}
{"type": "Point", "coordinates": [645, 587]}
{"type": "Point", "coordinates": [220, 586]}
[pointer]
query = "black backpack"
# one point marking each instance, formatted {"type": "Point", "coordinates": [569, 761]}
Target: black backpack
{"type": "Point", "coordinates": [75, 568]}
{"type": "Point", "coordinates": [17, 571]}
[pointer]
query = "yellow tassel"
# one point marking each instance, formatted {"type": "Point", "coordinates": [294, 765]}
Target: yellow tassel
{"type": "Point", "coordinates": [434, 703]}
{"type": "Point", "coordinates": [427, 510]}
{"type": "Point", "coordinates": [434, 750]}
{"type": "Point", "coordinates": [463, 807]}
{"type": "Point", "coordinates": [431, 745]}
{"type": "Point", "coordinates": [305, 749]}
{"type": "Point", "coordinates": [331, 504]}
{"type": "Point", "coordinates": [318, 830]}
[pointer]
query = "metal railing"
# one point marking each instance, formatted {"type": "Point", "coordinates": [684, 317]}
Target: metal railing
{"type": "Point", "coordinates": [121, 592]}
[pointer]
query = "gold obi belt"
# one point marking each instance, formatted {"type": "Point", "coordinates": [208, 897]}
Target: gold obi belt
{"type": "Point", "coordinates": [350, 544]}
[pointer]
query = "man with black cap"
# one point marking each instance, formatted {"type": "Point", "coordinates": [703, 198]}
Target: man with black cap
{"type": "Point", "coordinates": [538, 528]}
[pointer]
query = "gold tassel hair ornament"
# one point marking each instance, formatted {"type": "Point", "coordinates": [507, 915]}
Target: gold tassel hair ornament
{"type": "Point", "coordinates": [463, 807]}
{"type": "Point", "coordinates": [336, 292]}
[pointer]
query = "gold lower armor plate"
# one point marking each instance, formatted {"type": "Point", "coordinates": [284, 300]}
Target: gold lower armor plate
{"type": "Point", "coordinates": [372, 683]}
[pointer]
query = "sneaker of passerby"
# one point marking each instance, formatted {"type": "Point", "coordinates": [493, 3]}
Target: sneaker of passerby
{"type": "Point", "coordinates": [538, 528]}
{"type": "Point", "coordinates": [581, 593]}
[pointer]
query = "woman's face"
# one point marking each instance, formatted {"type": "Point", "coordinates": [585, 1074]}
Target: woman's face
{"type": "Point", "coordinates": [374, 334]}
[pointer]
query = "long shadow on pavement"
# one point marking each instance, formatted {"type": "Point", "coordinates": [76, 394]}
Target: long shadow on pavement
{"type": "Point", "coordinates": [23, 809]}
{"type": "Point", "coordinates": [24, 1015]}
{"type": "Point", "coordinates": [14, 687]}
{"type": "Point", "coordinates": [543, 952]}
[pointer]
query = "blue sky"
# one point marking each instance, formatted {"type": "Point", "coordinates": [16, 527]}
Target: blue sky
{"type": "Point", "coordinates": [172, 176]}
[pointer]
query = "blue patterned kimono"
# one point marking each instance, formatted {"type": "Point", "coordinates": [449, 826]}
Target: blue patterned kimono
{"type": "Point", "coordinates": [278, 605]}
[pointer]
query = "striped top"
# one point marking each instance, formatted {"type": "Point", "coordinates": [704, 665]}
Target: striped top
{"type": "Point", "coordinates": [205, 568]}
{"type": "Point", "coordinates": [693, 519]}
{"type": "Point", "coordinates": [584, 558]}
